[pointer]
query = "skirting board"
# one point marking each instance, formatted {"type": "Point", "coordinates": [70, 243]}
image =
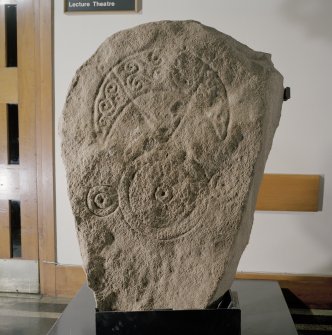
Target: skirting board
{"type": "Point", "coordinates": [312, 291]}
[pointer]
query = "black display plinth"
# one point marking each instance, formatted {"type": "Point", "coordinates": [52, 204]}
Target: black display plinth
{"type": "Point", "coordinates": [263, 311]}
{"type": "Point", "coordinates": [224, 318]}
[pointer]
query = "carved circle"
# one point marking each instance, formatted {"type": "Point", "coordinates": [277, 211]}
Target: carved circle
{"type": "Point", "coordinates": [157, 199]}
{"type": "Point", "coordinates": [102, 200]}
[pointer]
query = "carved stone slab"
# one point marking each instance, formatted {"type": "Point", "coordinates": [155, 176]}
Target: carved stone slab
{"type": "Point", "coordinates": [166, 130]}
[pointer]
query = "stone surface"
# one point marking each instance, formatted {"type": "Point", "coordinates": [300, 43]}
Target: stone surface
{"type": "Point", "coordinates": [166, 130]}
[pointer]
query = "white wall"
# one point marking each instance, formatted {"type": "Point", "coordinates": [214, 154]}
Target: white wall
{"type": "Point", "coordinates": [298, 34]}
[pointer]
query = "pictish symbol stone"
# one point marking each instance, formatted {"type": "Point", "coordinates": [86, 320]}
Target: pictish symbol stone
{"type": "Point", "coordinates": [165, 135]}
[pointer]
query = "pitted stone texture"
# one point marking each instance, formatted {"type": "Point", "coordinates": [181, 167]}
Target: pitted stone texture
{"type": "Point", "coordinates": [166, 130]}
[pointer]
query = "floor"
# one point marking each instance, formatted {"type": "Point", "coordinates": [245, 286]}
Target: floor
{"type": "Point", "coordinates": [30, 314]}
{"type": "Point", "coordinates": [308, 321]}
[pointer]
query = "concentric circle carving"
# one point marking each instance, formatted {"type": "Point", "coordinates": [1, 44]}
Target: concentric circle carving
{"type": "Point", "coordinates": [102, 200]}
{"type": "Point", "coordinates": [157, 199]}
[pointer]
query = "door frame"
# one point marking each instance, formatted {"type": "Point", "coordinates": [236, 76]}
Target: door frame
{"type": "Point", "coordinates": [43, 68]}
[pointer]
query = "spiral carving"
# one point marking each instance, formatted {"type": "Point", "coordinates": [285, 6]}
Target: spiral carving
{"type": "Point", "coordinates": [102, 200]}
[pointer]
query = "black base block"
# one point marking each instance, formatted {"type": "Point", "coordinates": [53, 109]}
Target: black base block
{"type": "Point", "coordinates": [222, 318]}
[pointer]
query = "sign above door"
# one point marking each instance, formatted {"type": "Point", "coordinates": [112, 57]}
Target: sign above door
{"type": "Point", "coordinates": [92, 6]}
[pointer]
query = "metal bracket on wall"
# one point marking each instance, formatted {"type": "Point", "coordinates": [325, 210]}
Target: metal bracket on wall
{"type": "Point", "coordinates": [287, 93]}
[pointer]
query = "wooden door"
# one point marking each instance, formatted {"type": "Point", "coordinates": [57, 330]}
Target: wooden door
{"type": "Point", "coordinates": [19, 268]}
